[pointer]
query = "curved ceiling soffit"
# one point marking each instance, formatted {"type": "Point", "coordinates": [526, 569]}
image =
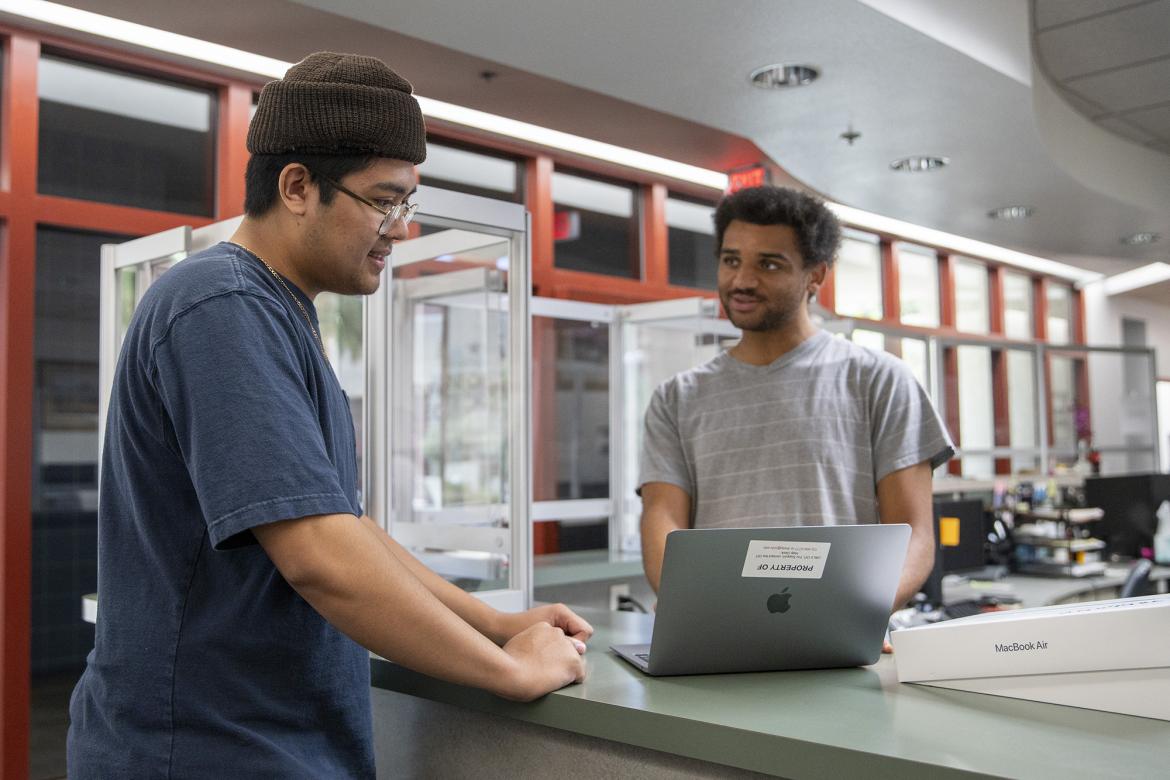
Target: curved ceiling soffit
{"type": "Point", "coordinates": [1097, 158]}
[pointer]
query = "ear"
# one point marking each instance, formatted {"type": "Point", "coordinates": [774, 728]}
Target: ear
{"type": "Point", "coordinates": [296, 188]}
{"type": "Point", "coordinates": [816, 278]}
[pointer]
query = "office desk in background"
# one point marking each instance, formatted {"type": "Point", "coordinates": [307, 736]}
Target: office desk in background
{"type": "Point", "coordinates": [1035, 591]}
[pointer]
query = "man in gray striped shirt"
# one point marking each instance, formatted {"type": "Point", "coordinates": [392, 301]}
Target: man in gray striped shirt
{"type": "Point", "coordinates": [791, 426]}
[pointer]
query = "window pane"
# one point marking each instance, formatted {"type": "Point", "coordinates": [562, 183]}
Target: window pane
{"type": "Point", "coordinates": [691, 234]}
{"type": "Point", "coordinates": [870, 339]}
{"type": "Point", "coordinates": [1121, 424]}
{"type": "Point", "coordinates": [971, 308]}
{"type": "Point", "coordinates": [976, 413]}
{"type": "Point", "coordinates": [1022, 406]}
{"type": "Point", "coordinates": [594, 226]}
{"type": "Point", "coordinates": [121, 138]}
{"type": "Point", "coordinates": [471, 172]}
{"type": "Point", "coordinates": [65, 446]}
{"type": "Point", "coordinates": [918, 285]}
{"type": "Point", "coordinates": [858, 277]}
{"type": "Point", "coordinates": [579, 456]}
{"type": "Point", "coordinates": [914, 352]}
{"type": "Point", "coordinates": [459, 354]}
{"type": "Point", "coordinates": [1064, 407]}
{"type": "Point", "coordinates": [341, 318]}
{"type": "Point", "coordinates": [1163, 396]}
{"type": "Point", "coordinates": [1059, 314]}
{"type": "Point", "coordinates": [582, 410]}
{"type": "Point", "coordinates": [917, 280]}
{"type": "Point", "coordinates": [449, 417]}
{"type": "Point", "coordinates": [1017, 306]}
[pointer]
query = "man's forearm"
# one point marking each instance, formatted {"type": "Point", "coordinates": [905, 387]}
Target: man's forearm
{"type": "Point", "coordinates": [475, 612]}
{"type": "Point", "coordinates": [665, 508]}
{"type": "Point", "coordinates": [919, 563]}
{"type": "Point", "coordinates": [654, 531]}
{"type": "Point", "coordinates": [904, 497]}
{"type": "Point", "coordinates": [373, 597]}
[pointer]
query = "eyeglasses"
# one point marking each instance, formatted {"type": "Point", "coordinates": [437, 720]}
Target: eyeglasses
{"type": "Point", "coordinates": [400, 211]}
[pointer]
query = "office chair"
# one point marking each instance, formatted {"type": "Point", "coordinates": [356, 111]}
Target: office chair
{"type": "Point", "coordinates": [1138, 581]}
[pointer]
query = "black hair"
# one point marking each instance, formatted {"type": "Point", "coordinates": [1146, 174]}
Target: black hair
{"type": "Point", "coordinates": [261, 178]}
{"type": "Point", "coordinates": [818, 232]}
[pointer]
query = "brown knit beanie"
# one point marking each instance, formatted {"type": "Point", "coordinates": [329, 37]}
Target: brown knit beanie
{"type": "Point", "coordinates": [339, 104]}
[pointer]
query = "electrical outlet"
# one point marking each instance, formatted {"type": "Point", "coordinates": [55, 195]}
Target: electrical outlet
{"type": "Point", "coordinates": [616, 592]}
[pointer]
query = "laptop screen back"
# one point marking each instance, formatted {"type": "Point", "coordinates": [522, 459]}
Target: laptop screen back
{"type": "Point", "coordinates": [757, 599]}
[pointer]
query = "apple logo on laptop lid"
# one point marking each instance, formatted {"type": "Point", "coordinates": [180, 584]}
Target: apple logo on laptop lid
{"type": "Point", "coordinates": [778, 602]}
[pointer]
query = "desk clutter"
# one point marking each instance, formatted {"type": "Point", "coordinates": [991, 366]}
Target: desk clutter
{"type": "Point", "coordinates": [1057, 541]}
{"type": "Point", "coordinates": [1058, 530]}
{"type": "Point", "coordinates": [1051, 530]}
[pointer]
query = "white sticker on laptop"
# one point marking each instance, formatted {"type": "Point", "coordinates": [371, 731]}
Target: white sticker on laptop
{"type": "Point", "coordinates": [788, 560]}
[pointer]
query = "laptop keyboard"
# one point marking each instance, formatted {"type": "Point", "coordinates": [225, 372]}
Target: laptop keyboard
{"type": "Point", "coordinates": [643, 656]}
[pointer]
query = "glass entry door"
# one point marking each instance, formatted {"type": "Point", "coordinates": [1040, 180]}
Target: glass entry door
{"type": "Point", "coordinates": [448, 347]}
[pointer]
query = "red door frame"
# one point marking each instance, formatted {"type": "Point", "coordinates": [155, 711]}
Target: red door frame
{"type": "Point", "coordinates": [17, 310]}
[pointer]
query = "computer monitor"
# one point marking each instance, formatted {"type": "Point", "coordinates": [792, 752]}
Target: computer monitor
{"type": "Point", "coordinates": [1130, 503]}
{"type": "Point", "coordinates": [959, 533]}
{"type": "Point", "coordinates": [962, 548]}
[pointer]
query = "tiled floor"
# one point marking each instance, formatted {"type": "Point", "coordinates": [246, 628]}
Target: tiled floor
{"type": "Point", "coordinates": [49, 722]}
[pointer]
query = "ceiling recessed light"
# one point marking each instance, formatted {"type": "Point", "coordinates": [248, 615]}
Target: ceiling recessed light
{"type": "Point", "coordinates": [1140, 239]}
{"type": "Point", "coordinates": [1011, 212]}
{"type": "Point", "coordinates": [919, 163]}
{"type": "Point", "coordinates": [781, 76]}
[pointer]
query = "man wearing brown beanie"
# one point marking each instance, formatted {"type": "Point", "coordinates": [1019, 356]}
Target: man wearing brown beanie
{"type": "Point", "coordinates": [239, 582]}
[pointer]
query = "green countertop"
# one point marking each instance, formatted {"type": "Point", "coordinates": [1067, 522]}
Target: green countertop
{"type": "Point", "coordinates": [841, 722]}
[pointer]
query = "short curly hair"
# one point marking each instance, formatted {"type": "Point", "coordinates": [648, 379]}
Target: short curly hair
{"type": "Point", "coordinates": [818, 232]}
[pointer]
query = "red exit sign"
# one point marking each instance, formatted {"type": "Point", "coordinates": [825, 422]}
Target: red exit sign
{"type": "Point", "coordinates": [742, 178]}
{"type": "Point", "coordinates": [566, 225]}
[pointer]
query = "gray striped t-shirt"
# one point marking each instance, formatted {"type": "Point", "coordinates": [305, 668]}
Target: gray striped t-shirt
{"type": "Point", "coordinates": [801, 441]}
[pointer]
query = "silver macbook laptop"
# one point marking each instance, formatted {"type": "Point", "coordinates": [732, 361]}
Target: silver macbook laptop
{"type": "Point", "coordinates": [765, 599]}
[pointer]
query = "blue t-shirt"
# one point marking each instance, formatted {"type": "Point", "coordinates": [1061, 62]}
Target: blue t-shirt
{"type": "Point", "coordinates": [224, 416]}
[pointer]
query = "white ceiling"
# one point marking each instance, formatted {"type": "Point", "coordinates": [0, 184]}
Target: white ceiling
{"type": "Point", "coordinates": [1111, 59]}
{"type": "Point", "coordinates": [940, 77]}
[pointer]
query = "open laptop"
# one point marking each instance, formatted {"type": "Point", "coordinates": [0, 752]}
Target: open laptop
{"type": "Point", "coordinates": [765, 599]}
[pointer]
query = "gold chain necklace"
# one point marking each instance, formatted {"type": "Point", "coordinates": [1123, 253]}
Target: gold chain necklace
{"type": "Point", "coordinates": [291, 294]}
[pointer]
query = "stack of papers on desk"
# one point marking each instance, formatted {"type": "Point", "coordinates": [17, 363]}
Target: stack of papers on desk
{"type": "Point", "coordinates": [1108, 655]}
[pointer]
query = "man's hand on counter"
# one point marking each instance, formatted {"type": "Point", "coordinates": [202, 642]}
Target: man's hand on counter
{"type": "Point", "coordinates": [544, 660]}
{"type": "Point", "coordinates": [572, 625]}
